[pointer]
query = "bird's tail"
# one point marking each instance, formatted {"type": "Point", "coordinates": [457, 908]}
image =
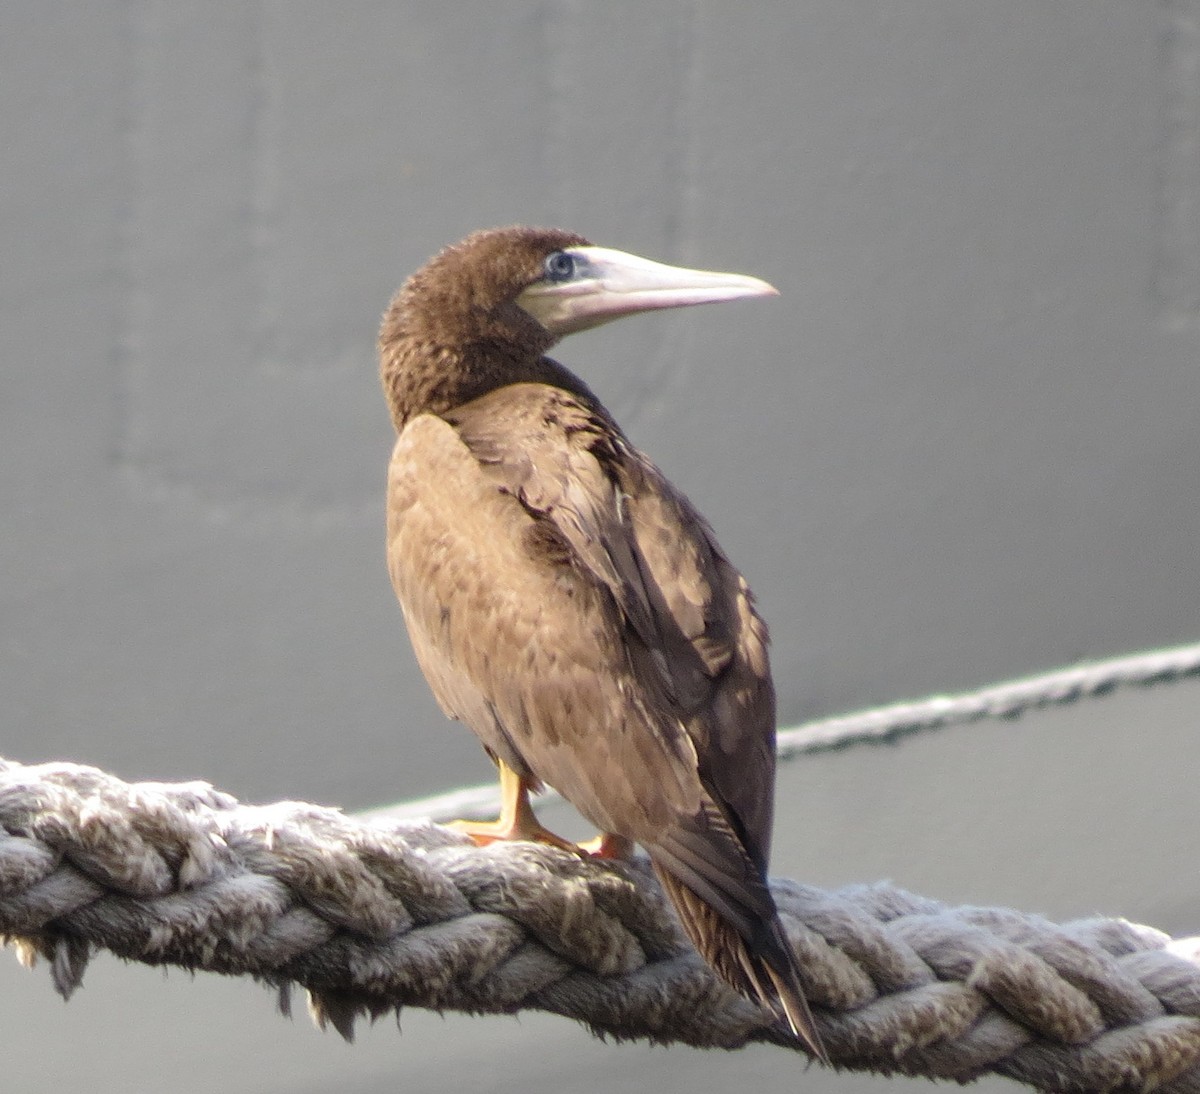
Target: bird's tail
{"type": "Point", "coordinates": [763, 969]}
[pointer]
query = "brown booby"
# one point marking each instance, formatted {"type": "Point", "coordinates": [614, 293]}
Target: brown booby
{"type": "Point", "coordinates": [568, 603]}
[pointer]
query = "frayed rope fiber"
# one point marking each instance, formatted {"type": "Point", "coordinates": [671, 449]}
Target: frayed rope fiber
{"type": "Point", "coordinates": [374, 915]}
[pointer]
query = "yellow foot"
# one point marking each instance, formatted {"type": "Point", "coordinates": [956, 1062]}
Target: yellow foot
{"type": "Point", "coordinates": [485, 832]}
{"type": "Point", "coordinates": [607, 846]}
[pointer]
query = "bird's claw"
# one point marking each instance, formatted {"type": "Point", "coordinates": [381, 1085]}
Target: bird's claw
{"type": "Point", "coordinates": [501, 831]}
{"type": "Point", "coordinates": [606, 846]}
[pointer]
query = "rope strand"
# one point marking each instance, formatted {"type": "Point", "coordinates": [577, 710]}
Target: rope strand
{"type": "Point", "coordinates": [1007, 700]}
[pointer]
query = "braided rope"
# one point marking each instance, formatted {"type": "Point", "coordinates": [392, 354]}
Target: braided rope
{"type": "Point", "coordinates": [372, 916]}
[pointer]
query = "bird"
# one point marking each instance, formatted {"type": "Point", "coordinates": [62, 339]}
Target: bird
{"type": "Point", "coordinates": [568, 603]}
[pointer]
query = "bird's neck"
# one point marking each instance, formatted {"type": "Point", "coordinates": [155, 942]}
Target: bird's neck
{"type": "Point", "coordinates": [425, 378]}
{"type": "Point", "coordinates": [438, 353]}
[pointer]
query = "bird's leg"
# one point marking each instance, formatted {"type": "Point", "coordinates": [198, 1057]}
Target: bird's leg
{"type": "Point", "coordinates": [517, 820]}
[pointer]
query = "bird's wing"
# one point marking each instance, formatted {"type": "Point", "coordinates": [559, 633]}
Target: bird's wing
{"type": "Point", "coordinates": [695, 642]}
{"type": "Point", "coordinates": [512, 629]}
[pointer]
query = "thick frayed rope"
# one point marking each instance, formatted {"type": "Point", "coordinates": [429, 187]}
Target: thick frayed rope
{"type": "Point", "coordinates": [372, 916]}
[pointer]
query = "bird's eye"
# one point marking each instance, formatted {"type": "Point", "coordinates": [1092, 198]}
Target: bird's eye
{"type": "Point", "coordinates": [559, 266]}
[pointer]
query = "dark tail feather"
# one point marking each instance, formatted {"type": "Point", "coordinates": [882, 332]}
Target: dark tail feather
{"type": "Point", "coordinates": [791, 995]}
{"type": "Point", "coordinates": [766, 975]}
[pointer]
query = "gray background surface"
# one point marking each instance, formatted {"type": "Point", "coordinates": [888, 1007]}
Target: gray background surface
{"type": "Point", "coordinates": [961, 446]}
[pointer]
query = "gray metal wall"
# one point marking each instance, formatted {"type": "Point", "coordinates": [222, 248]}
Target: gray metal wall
{"type": "Point", "coordinates": [961, 446]}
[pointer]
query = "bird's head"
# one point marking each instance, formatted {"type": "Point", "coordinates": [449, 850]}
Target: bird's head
{"type": "Point", "coordinates": [485, 310]}
{"type": "Point", "coordinates": [558, 279]}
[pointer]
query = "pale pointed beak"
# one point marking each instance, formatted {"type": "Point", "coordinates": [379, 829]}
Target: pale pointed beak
{"type": "Point", "coordinates": [607, 284]}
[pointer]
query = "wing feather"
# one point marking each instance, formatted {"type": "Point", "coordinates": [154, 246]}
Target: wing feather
{"type": "Point", "coordinates": [696, 644]}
